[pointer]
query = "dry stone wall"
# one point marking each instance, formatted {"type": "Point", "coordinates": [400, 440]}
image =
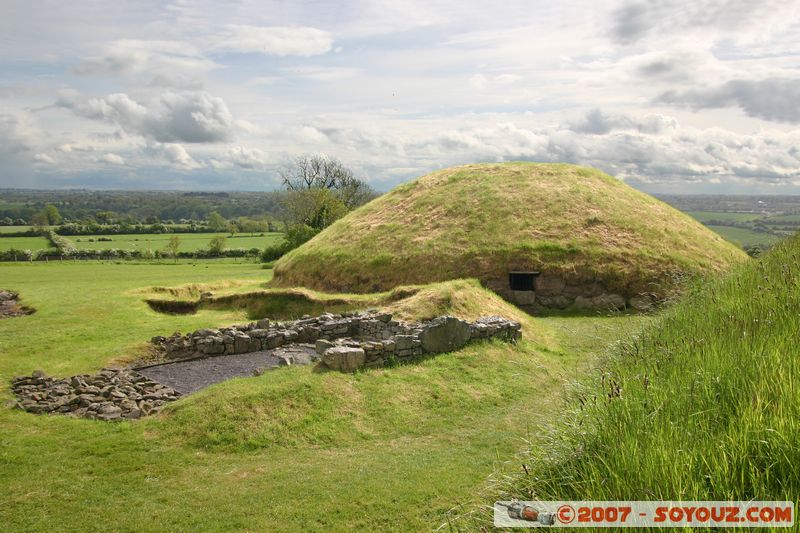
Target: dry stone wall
{"type": "Point", "coordinates": [377, 335]}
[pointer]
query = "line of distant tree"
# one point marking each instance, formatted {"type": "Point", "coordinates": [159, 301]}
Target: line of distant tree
{"type": "Point", "coordinates": [50, 218]}
{"type": "Point", "coordinates": [54, 255]}
{"type": "Point", "coordinates": [22, 207]}
{"type": "Point", "coordinates": [317, 191]}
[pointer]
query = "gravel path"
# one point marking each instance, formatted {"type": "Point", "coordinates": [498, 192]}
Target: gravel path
{"type": "Point", "coordinates": [191, 376]}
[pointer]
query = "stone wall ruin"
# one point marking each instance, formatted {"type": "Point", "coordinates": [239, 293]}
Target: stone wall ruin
{"type": "Point", "coordinates": [552, 291]}
{"type": "Point", "coordinates": [377, 335]}
{"type": "Point", "coordinates": [343, 342]}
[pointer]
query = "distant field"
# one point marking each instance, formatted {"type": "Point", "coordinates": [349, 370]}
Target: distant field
{"type": "Point", "coordinates": [783, 218]}
{"type": "Point", "coordinates": [14, 229]}
{"type": "Point", "coordinates": [25, 243]}
{"type": "Point", "coordinates": [744, 237]}
{"type": "Point", "coordinates": [190, 242]}
{"type": "Point", "coordinates": [705, 216]}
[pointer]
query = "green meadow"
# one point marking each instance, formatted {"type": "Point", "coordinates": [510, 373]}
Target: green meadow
{"type": "Point", "coordinates": [294, 449]}
{"type": "Point", "coordinates": [24, 243]}
{"type": "Point", "coordinates": [744, 236]}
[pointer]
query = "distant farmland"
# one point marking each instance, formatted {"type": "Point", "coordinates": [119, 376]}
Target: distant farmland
{"type": "Point", "coordinates": [190, 242]}
{"type": "Point", "coordinates": [744, 236]}
{"type": "Point", "coordinates": [24, 243]}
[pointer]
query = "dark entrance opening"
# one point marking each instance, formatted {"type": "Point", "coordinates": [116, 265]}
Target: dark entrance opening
{"type": "Point", "coordinates": [522, 281]}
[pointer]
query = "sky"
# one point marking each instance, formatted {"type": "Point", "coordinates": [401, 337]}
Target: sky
{"type": "Point", "coordinates": [671, 96]}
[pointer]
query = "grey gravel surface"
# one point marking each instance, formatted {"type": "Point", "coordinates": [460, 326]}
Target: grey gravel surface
{"type": "Point", "coordinates": [191, 376]}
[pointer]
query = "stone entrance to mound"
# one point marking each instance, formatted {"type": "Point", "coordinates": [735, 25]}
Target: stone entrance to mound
{"type": "Point", "coordinates": [10, 306]}
{"type": "Point", "coordinates": [522, 281]}
{"type": "Point", "coordinates": [543, 292]}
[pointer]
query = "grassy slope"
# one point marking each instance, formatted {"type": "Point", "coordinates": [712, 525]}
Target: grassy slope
{"type": "Point", "coordinates": [483, 220]}
{"type": "Point", "coordinates": [709, 406]}
{"type": "Point", "coordinates": [389, 449]}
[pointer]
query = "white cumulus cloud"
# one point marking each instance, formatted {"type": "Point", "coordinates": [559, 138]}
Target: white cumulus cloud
{"type": "Point", "coordinates": [191, 117]}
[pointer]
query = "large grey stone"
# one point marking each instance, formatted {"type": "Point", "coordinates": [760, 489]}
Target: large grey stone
{"type": "Point", "coordinates": [344, 358]}
{"type": "Point", "coordinates": [558, 301]}
{"type": "Point", "coordinates": [322, 345]}
{"type": "Point", "coordinates": [445, 334]}
{"type": "Point", "coordinates": [603, 302]}
{"type": "Point", "coordinates": [523, 297]}
{"type": "Point", "coordinates": [550, 285]}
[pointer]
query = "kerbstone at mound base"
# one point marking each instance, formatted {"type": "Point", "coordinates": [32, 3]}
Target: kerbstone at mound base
{"type": "Point", "coordinates": [344, 358]}
{"type": "Point", "coordinates": [445, 334]}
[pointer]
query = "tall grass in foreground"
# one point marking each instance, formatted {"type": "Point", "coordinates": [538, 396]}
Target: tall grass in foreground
{"type": "Point", "coordinates": [704, 404]}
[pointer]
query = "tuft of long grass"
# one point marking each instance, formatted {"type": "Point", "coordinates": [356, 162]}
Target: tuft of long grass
{"type": "Point", "coordinates": [704, 404]}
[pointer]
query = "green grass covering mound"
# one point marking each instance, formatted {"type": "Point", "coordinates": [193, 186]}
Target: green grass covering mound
{"type": "Point", "coordinates": [481, 221]}
{"type": "Point", "coordinates": [703, 405]}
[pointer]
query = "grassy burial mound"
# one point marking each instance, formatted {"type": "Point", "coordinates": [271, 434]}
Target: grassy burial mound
{"type": "Point", "coordinates": [703, 405]}
{"type": "Point", "coordinates": [596, 241]}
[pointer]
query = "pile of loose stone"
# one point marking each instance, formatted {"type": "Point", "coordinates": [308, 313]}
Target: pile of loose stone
{"type": "Point", "coordinates": [344, 342]}
{"type": "Point", "coordinates": [112, 394]}
{"type": "Point", "coordinates": [9, 305]}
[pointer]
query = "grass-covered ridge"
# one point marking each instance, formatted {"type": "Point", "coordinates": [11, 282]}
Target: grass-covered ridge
{"type": "Point", "coordinates": [703, 405]}
{"type": "Point", "coordinates": [480, 221]}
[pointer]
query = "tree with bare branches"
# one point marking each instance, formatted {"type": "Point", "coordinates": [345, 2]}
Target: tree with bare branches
{"type": "Point", "coordinates": [319, 171]}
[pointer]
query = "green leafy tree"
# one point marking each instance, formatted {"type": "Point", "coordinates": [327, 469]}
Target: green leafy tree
{"type": "Point", "coordinates": [251, 225]}
{"type": "Point", "coordinates": [316, 208]}
{"type": "Point", "coordinates": [49, 216]}
{"type": "Point", "coordinates": [217, 245]}
{"type": "Point", "coordinates": [105, 217]}
{"type": "Point", "coordinates": [173, 246]}
{"type": "Point", "coordinates": [217, 222]}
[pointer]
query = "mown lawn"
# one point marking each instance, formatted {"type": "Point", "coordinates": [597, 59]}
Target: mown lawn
{"type": "Point", "coordinates": [296, 449]}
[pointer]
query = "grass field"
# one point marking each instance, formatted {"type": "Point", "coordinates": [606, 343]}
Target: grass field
{"type": "Point", "coordinates": [14, 229]}
{"type": "Point", "coordinates": [703, 405]}
{"type": "Point", "coordinates": [295, 449]}
{"type": "Point", "coordinates": [743, 236]}
{"type": "Point", "coordinates": [723, 216]}
{"type": "Point", "coordinates": [783, 218]}
{"type": "Point", "coordinates": [190, 242]}
{"type": "Point", "coordinates": [25, 243]}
